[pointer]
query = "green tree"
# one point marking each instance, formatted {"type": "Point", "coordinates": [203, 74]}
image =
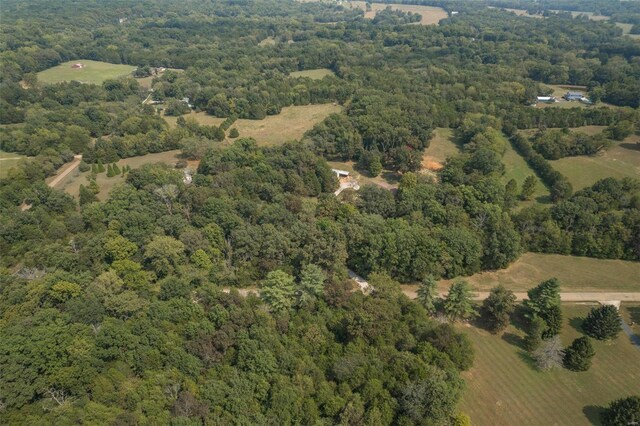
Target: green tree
{"type": "Point", "coordinates": [86, 195]}
{"type": "Point", "coordinates": [233, 133]}
{"type": "Point", "coordinates": [433, 397]}
{"type": "Point", "coordinates": [542, 297]}
{"type": "Point", "coordinates": [577, 357]}
{"type": "Point", "coordinates": [278, 291]}
{"type": "Point", "coordinates": [110, 172]}
{"type": "Point", "coordinates": [498, 307]}
{"type": "Point", "coordinates": [100, 167]}
{"type": "Point", "coordinates": [201, 259]}
{"type": "Point", "coordinates": [164, 254]}
{"type": "Point", "coordinates": [116, 169]}
{"type": "Point", "coordinates": [603, 322]}
{"type": "Point", "coordinates": [312, 280]}
{"type": "Point", "coordinates": [64, 290]}
{"type": "Point", "coordinates": [427, 294]}
{"type": "Point", "coordinates": [511, 193]}
{"type": "Point", "coordinates": [622, 412]}
{"type": "Point", "coordinates": [533, 339]}
{"type": "Point", "coordinates": [528, 187]}
{"type": "Point", "coordinates": [458, 304]}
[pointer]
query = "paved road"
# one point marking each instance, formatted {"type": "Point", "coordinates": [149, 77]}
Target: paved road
{"type": "Point", "coordinates": [71, 167]}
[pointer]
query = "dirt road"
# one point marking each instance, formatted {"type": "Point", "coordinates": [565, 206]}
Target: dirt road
{"type": "Point", "coordinates": [65, 171]}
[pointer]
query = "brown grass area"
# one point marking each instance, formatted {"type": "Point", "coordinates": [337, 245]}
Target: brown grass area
{"type": "Point", "coordinates": [575, 274]}
{"type": "Point", "coordinates": [502, 388]}
{"type": "Point", "coordinates": [440, 148]}
{"type": "Point", "coordinates": [430, 15]}
{"type": "Point", "coordinates": [71, 184]}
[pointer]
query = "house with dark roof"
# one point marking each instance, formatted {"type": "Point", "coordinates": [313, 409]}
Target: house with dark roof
{"type": "Point", "coordinates": [573, 96]}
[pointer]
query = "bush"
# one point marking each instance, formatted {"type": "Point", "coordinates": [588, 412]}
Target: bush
{"type": "Point", "coordinates": [84, 167]}
{"type": "Point", "coordinates": [577, 357]}
{"type": "Point", "coordinates": [233, 133]}
{"type": "Point", "coordinates": [602, 323]}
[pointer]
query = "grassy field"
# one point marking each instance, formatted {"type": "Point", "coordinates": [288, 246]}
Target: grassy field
{"type": "Point", "coordinates": [517, 168]}
{"type": "Point", "coordinates": [290, 124]}
{"type": "Point", "coordinates": [71, 184]}
{"type": "Point", "coordinates": [626, 28]}
{"type": "Point", "coordinates": [93, 72]}
{"type": "Point", "coordinates": [503, 388]}
{"type": "Point", "coordinates": [146, 81]}
{"type": "Point", "coordinates": [317, 74]}
{"type": "Point", "coordinates": [8, 160]}
{"type": "Point", "coordinates": [430, 15]}
{"type": "Point", "coordinates": [575, 273]}
{"type": "Point", "coordinates": [440, 148]}
{"type": "Point", "coordinates": [620, 161]}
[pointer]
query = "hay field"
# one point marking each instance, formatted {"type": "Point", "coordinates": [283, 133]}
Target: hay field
{"type": "Point", "coordinates": [316, 74]}
{"type": "Point", "coordinates": [440, 148]}
{"type": "Point", "coordinates": [430, 15]}
{"type": "Point", "coordinates": [93, 72]}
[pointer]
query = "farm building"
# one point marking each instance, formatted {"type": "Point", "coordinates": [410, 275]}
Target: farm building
{"type": "Point", "coordinates": [546, 99]}
{"type": "Point", "coordinates": [573, 96]}
{"type": "Point", "coordinates": [340, 173]}
{"type": "Point", "coordinates": [77, 65]}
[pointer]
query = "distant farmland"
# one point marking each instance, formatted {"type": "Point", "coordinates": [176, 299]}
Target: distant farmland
{"type": "Point", "coordinates": [92, 72]}
{"type": "Point", "coordinates": [430, 15]}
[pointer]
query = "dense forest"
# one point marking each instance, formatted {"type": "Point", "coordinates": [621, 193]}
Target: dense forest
{"type": "Point", "coordinates": [134, 310]}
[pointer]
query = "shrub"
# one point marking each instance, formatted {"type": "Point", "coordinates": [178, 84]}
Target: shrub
{"type": "Point", "coordinates": [577, 357]}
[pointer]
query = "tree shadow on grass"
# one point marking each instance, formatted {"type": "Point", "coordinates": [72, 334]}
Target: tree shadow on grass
{"type": "Point", "coordinates": [576, 323]}
{"type": "Point", "coordinates": [513, 339]}
{"type": "Point", "coordinates": [634, 314]}
{"type": "Point", "coordinates": [528, 359]}
{"type": "Point", "coordinates": [593, 413]}
{"type": "Point", "coordinates": [518, 318]}
{"type": "Point", "coordinates": [633, 146]}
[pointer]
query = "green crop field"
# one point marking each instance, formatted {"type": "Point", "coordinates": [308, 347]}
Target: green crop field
{"type": "Point", "coordinates": [503, 388]}
{"type": "Point", "coordinates": [620, 161]}
{"type": "Point", "coordinates": [575, 274]}
{"type": "Point", "coordinates": [316, 74]}
{"type": "Point", "coordinates": [93, 72]}
{"type": "Point", "coordinates": [9, 160]}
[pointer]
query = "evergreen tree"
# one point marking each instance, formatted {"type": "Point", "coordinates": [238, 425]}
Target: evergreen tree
{"type": "Point", "coordinates": [528, 187]}
{"type": "Point", "coordinates": [94, 168]}
{"type": "Point", "coordinates": [116, 169]}
{"type": "Point", "coordinates": [100, 167]}
{"type": "Point", "coordinates": [622, 412]}
{"type": "Point", "coordinates": [498, 307]}
{"type": "Point", "coordinates": [312, 279]}
{"type": "Point", "coordinates": [603, 322]}
{"type": "Point", "coordinates": [233, 133]}
{"type": "Point", "coordinates": [86, 195]}
{"type": "Point", "coordinates": [577, 357]}
{"type": "Point", "coordinates": [553, 318]}
{"type": "Point", "coordinates": [511, 193]}
{"type": "Point", "coordinates": [533, 339]}
{"type": "Point", "coordinates": [109, 170]}
{"type": "Point", "coordinates": [278, 291]}
{"type": "Point", "coordinates": [427, 294]}
{"type": "Point", "coordinates": [458, 304]}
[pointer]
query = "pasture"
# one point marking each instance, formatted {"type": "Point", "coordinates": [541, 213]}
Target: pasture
{"type": "Point", "coordinates": [430, 15]}
{"type": "Point", "coordinates": [316, 74]}
{"type": "Point", "coordinates": [517, 168]}
{"type": "Point", "coordinates": [440, 148]}
{"type": "Point", "coordinates": [620, 161]}
{"type": "Point", "coordinates": [504, 389]}
{"type": "Point", "coordinates": [71, 183]}
{"type": "Point", "coordinates": [575, 274]}
{"type": "Point", "coordinates": [9, 160]}
{"type": "Point", "coordinates": [92, 72]}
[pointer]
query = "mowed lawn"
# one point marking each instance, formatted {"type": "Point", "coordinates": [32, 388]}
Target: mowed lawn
{"type": "Point", "coordinates": [71, 183]}
{"type": "Point", "coordinates": [9, 160]}
{"type": "Point", "coordinates": [620, 161]}
{"type": "Point", "coordinates": [575, 274]}
{"type": "Point", "coordinates": [517, 168]}
{"type": "Point", "coordinates": [504, 389]}
{"type": "Point", "coordinates": [93, 72]}
{"type": "Point", "coordinates": [430, 15]}
{"type": "Point", "coordinates": [316, 74]}
{"type": "Point", "coordinates": [441, 147]}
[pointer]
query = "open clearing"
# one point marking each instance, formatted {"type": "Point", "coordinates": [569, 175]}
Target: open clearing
{"type": "Point", "coordinates": [430, 15]}
{"type": "Point", "coordinates": [317, 74]}
{"type": "Point", "coordinates": [503, 388]}
{"type": "Point", "coordinates": [387, 179]}
{"type": "Point", "coordinates": [146, 82]}
{"type": "Point", "coordinates": [517, 168]}
{"type": "Point", "coordinates": [620, 161]}
{"type": "Point", "coordinates": [9, 160]}
{"type": "Point", "coordinates": [71, 183]}
{"type": "Point", "coordinates": [440, 148]}
{"type": "Point", "coordinates": [290, 124]}
{"type": "Point", "coordinates": [575, 274]}
{"type": "Point", "coordinates": [92, 72]}
{"type": "Point", "coordinates": [626, 29]}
